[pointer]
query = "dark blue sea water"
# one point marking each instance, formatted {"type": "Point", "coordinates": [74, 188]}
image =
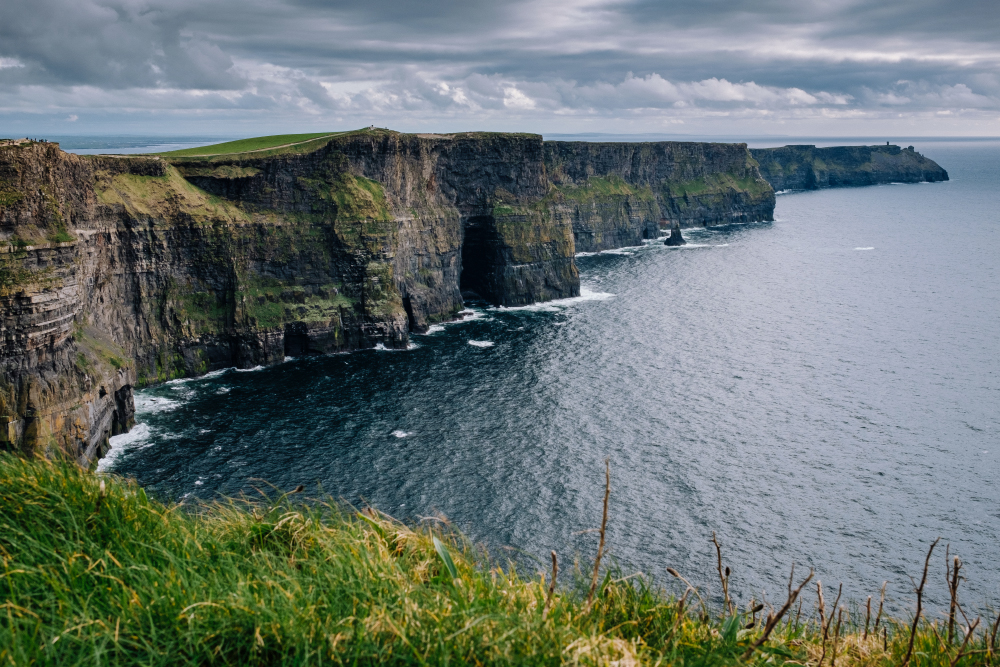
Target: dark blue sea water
{"type": "Point", "coordinates": [823, 389]}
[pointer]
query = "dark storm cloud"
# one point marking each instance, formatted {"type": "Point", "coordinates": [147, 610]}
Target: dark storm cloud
{"type": "Point", "coordinates": [483, 59]}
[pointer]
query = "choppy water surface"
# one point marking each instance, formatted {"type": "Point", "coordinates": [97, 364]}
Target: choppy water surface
{"type": "Point", "coordinates": [823, 389]}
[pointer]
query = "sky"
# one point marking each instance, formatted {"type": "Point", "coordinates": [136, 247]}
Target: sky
{"type": "Point", "coordinates": [715, 67]}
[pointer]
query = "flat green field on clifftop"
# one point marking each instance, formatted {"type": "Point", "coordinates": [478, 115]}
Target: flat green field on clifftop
{"type": "Point", "coordinates": [248, 145]}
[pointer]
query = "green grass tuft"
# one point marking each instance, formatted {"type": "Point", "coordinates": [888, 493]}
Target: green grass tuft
{"type": "Point", "coordinates": [96, 573]}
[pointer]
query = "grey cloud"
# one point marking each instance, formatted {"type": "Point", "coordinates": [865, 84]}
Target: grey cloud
{"type": "Point", "coordinates": [479, 59]}
{"type": "Point", "coordinates": [118, 44]}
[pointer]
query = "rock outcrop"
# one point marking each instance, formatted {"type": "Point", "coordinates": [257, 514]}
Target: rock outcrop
{"type": "Point", "coordinates": [810, 168]}
{"type": "Point", "coordinates": [675, 239]}
{"type": "Point", "coordinates": [118, 272]}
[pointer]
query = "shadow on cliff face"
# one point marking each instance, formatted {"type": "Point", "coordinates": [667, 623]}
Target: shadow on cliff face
{"type": "Point", "coordinates": [481, 254]}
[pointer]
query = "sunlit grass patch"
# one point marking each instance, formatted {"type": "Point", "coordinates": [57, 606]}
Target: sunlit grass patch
{"type": "Point", "coordinates": [95, 572]}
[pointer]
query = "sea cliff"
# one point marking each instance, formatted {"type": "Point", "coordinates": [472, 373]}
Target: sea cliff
{"type": "Point", "coordinates": [810, 168]}
{"type": "Point", "coordinates": [120, 272]}
{"type": "Point", "coordinates": [618, 194]}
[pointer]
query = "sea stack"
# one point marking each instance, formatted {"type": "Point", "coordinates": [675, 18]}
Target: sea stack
{"type": "Point", "coordinates": [675, 238]}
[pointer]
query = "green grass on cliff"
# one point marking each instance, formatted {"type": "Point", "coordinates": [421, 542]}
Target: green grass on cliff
{"type": "Point", "coordinates": [96, 573]}
{"type": "Point", "coordinates": [717, 184]}
{"type": "Point", "coordinates": [247, 145]}
{"type": "Point", "coordinates": [163, 197]}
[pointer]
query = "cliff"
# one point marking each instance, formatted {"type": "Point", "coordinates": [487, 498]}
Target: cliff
{"type": "Point", "coordinates": [617, 194]}
{"type": "Point", "coordinates": [809, 168]}
{"type": "Point", "coordinates": [118, 272]}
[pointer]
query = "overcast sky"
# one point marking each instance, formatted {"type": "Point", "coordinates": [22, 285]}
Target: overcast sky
{"type": "Point", "coordinates": [723, 67]}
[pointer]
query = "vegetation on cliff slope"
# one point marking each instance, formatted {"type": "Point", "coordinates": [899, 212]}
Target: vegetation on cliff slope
{"type": "Point", "coordinates": [96, 573]}
{"type": "Point", "coordinates": [164, 198]}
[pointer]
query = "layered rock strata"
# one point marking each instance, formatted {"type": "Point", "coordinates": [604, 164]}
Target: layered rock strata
{"type": "Point", "coordinates": [124, 272]}
{"type": "Point", "coordinates": [810, 168]}
{"type": "Point", "coordinates": [618, 194]}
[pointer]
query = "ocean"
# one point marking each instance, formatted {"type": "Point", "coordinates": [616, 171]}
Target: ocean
{"type": "Point", "coordinates": [823, 389]}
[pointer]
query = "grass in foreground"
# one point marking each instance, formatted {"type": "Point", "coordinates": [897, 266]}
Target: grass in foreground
{"type": "Point", "coordinates": [245, 145]}
{"type": "Point", "coordinates": [96, 573]}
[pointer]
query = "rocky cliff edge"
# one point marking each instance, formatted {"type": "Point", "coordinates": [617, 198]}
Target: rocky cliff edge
{"type": "Point", "coordinates": [118, 272]}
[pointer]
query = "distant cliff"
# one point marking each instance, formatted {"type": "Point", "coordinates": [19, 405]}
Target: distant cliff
{"type": "Point", "coordinates": [118, 272]}
{"type": "Point", "coordinates": [618, 194]}
{"type": "Point", "coordinates": [809, 168]}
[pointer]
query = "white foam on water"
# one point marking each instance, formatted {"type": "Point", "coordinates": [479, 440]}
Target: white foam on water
{"type": "Point", "coordinates": [401, 434]}
{"type": "Point", "coordinates": [198, 377]}
{"type": "Point", "coordinates": [145, 404]}
{"type": "Point", "coordinates": [468, 315]}
{"type": "Point", "coordinates": [691, 246]}
{"type": "Point", "coordinates": [289, 358]}
{"type": "Point", "coordinates": [137, 438]}
{"type": "Point", "coordinates": [872, 248]}
{"type": "Point", "coordinates": [481, 343]}
{"type": "Point", "coordinates": [586, 294]}
{"type": "Point", "coordinates": [249, 370]}
{"type": "Point", "coordinates": [222, 390]}
{"type": "Point", "coordinates": [627, 250]}
{"type": "Point", "coordinates": [379, 347]}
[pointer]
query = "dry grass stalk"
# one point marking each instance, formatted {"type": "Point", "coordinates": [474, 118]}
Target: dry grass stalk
{"type": "Point", "coordinates": [968, 635]}
{"type": "Point", "coordinates": [840, 590]}
{"type": "Point", "coordinates": [674, 573]}
{"type": "Point", "coordinates": [724, 578]}
{"type": "Point", "coordinates": [836, 637]}
{"type": "Point", "coordinates": [953, 590]}
{"type": "Point", "coordinates": [552, 586]}
{"type": "Point", "coordinates": [825, 622]}
{"type": "Point", "coordinates": [821, 608]}
{"type": "Point", "coordinates": [993, 634]}
{"type": "Point", "coordinates": [604, 525]}
{"type": "Point", "coordinates": [920, 600]}
{"type": "Point", "coordinates": [820, 605]}
{"type": "Point", "coordinates": [772, 619]}
{"type": "Point", "coordinates": [881, 601]}
{"type": "Point", "coordinates": [868, 615]}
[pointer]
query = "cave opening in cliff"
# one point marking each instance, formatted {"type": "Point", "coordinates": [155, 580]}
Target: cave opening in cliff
{"type": "Point", "coordinates": [479, 260]}
{"type": "Point", "coordinates": [296, 340]}
{"type": "Point", "coordinates": [408, 307]}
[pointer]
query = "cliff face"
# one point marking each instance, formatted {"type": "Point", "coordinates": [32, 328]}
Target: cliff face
{"type": "Point", "coordinates": [65, 382]}
{"type": "Point", "coordinates": [122, 272]}
{"type": "Point", "coordinates": [809, 168]}
{"type": "Point", "coordinates": [618, 194]}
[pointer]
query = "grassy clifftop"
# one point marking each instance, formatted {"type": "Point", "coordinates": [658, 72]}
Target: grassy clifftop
{"type": "Point", "coordinates": [96, 573]}
{"type": "Point", "coordinates": [250, 145]}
